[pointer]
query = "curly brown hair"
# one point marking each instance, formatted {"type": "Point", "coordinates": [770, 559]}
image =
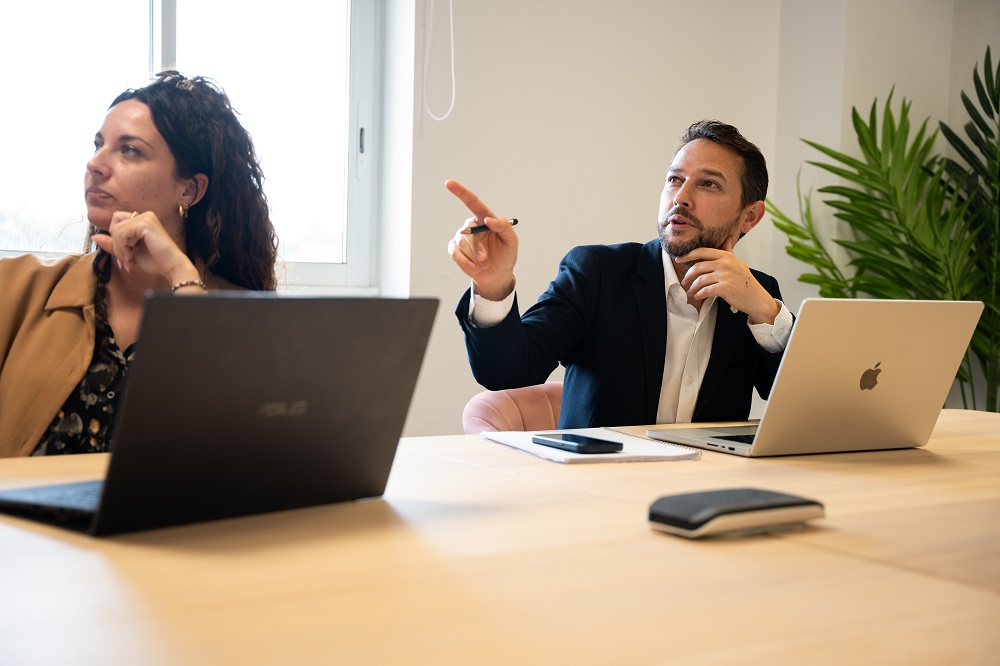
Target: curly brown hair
{"type": "Point", "coordinates": [230, 228]}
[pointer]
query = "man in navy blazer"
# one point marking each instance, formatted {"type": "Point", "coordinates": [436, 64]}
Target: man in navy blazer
{"type": "Point", "coordinates": [676, 330]}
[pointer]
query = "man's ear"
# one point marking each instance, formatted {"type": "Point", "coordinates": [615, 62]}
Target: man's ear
{"type": "Point", "coordinates": [753, 214]}
{"type": "Point", "coordinates": [194, 189]}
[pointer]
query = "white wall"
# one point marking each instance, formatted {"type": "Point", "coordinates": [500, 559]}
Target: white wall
{"type": "Point", "coordinates": [568, 111]}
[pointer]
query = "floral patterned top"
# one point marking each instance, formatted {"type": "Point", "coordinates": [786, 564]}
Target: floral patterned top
{"type": "Point", "coordinates": [84, 423]}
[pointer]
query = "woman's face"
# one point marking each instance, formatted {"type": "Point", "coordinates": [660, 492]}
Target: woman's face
{"type": "Point", "coordinates": [132, 169]}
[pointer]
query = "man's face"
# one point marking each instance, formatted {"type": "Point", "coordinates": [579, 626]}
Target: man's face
{"type": "Point", "coordinates": [700, 203]}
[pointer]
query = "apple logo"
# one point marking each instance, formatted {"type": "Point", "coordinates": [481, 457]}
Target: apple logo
{"type": "Point", "coordinates": [869, 378]}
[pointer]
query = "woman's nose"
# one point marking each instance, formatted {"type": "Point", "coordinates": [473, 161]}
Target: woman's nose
{"type": "Point", "coordinates": [97, 163]}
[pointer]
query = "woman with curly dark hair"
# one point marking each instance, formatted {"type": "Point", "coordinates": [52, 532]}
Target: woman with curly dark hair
{"type": "Point", "coordinates": [175, 199]}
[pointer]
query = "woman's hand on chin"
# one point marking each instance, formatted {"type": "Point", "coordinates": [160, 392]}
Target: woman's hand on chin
{"type": "Point", "coordinates": [139, 240]}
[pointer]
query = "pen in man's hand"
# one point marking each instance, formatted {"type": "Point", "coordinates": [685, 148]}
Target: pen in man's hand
{"type": "Point", "coordinates": [480, 228]}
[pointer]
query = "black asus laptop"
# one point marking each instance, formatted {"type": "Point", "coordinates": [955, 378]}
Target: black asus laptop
{"type": "Point", "coordinates": [243, 403]}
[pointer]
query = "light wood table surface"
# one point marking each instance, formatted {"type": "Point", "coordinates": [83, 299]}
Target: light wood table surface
{"type": "Point", "coordinates": [481, 554]}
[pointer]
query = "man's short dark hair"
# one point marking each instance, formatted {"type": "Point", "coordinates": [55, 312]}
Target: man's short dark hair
{"type": "Point", "coordinates": [754, 176]}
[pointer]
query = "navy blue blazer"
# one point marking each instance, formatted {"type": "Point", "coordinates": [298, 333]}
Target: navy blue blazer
{"type": "Point", "coordinates": [604, 318]}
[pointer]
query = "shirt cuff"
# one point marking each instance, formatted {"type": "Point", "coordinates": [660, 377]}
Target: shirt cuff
{"type": "Point", "coordinates": [484, 313]}
{"type": "Point", "coordinates": [774, 337]}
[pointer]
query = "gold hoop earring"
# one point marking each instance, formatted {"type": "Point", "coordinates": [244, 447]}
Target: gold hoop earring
{"type": "Point", "coordinates": [183, 210]}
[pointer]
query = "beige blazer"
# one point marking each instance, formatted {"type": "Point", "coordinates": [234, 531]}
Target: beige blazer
{"type": "Point", "coordinates": [47, 332]}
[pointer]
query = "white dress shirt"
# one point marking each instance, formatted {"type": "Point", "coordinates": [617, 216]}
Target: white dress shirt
{"type": "Point", "coordinates": [690, 333]}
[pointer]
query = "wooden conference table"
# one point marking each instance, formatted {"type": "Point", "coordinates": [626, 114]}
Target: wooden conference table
{"type": "Point", "coordinates": [483, 554]}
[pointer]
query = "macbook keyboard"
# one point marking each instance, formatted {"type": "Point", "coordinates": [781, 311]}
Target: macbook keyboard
{"type": "Point", "coordinates": [742, 439]}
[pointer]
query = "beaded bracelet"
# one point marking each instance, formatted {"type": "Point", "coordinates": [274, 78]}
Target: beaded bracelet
{"type": "Point", "coordinates": [187, 283]}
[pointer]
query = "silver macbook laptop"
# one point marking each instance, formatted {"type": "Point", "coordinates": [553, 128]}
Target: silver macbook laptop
{"type": "Point", "coordinates": [857, 375]}
{"type": "Point", "coordinates": [242, 403]}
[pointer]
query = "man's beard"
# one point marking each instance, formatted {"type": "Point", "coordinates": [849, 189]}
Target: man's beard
{"type": "Point", "coordinates": [712, 238]}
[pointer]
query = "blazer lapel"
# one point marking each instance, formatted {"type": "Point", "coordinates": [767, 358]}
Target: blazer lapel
{"type": "Point", "coordinates": [727, 327]}
{"type": "Point", "coordinates": [651, 302]}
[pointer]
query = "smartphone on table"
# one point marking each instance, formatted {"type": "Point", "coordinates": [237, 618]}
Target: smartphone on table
{"type": "Point", "coordinates": [576, 443]}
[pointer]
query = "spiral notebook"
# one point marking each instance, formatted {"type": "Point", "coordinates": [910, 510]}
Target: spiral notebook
{"type": "Point", "coordinates": [637, 448]}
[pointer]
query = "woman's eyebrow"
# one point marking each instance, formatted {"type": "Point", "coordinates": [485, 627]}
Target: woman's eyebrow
{"type": "Point", "coordinates": [132, 138]}
{"type": "Point", "coordinates": [124, 138]}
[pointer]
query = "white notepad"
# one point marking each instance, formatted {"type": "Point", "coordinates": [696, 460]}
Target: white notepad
{"type": "Point", "coordinates": [636, 449]}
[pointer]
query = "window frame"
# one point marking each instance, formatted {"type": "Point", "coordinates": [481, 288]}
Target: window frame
{"type": "Point", "coordinates": [357, 275]}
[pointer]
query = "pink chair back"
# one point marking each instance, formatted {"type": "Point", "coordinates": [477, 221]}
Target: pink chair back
{"type": "Point", "coordinates": [527, 408]}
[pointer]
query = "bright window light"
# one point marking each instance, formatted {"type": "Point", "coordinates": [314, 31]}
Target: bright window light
{"type": "Point", "coordinates": [63, 67]}
{"type": "Point", "coordinates": [285, 65]}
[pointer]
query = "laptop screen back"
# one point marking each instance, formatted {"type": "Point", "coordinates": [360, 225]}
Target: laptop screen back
{"type": "Point", "coordinates": [242, 403]}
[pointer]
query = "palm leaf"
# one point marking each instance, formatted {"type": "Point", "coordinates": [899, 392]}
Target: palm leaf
{"type": "Point", "coordinates": [846, 160]}
{"type": "Point", "coordinates": [977, 139]}
{"type": "Point", "coordinates": [867, 139]}
{"type": "Point", "coordinates": [916, 225]}
{"type": "Point", "coordinates": [977, 117]}
{"type": "Point", "coordinates": [867, 178]}
{"type": "Point", "coordinates": [964, 151]}
{"type": "Point", "coordinates": [992, 87]}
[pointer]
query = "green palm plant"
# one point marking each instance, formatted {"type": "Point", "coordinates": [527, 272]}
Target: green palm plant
{"type": "Point", "coordinates": [918, 225]}
{"type": "Point", "coordinates": [977, 187]}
